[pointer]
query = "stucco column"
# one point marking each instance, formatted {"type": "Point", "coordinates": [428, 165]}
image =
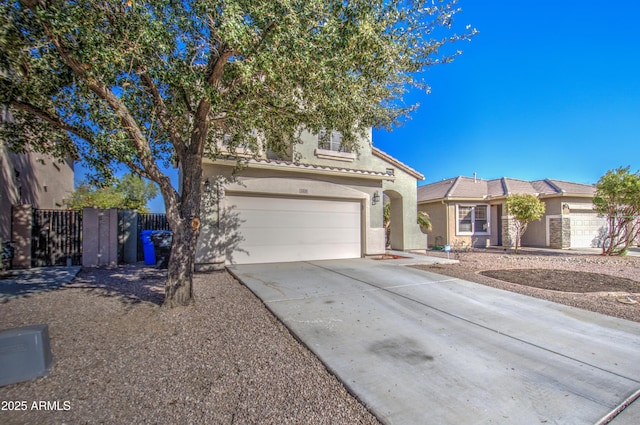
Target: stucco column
{"type": "Point", "coordinates": [21, 228]}
{"type": "Point", "coordinates": [99, 237]}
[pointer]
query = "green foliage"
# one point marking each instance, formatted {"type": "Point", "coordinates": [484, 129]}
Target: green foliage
{"type": "Point", "coordinates": [115, 80]}
{"type": "Point", "coordinates": [524, 208]}
{"type": "Point", "coordinates": [424, 221]}
{"type": "Point", "coordinates": [129, 193]}
{"type": "Point", "coordinates": [147, 83]}
{"type": "Point", "coordinates": [618, 199]}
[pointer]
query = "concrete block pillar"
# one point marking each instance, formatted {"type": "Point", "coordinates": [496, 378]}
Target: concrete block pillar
{"type": "Point", "coordinates": [21, 229]}
{"type": "Point", "coordinates": [99, 237]}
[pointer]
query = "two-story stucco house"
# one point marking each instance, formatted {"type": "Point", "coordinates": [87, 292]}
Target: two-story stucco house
{"type": "Point", "coordinates": [31, 179]}
{"type": "Point", "coordinates": [317, 203]}
{"type": "Point", "coordinates": [472, 211]}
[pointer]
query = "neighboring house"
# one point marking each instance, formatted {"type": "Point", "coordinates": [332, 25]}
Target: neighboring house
{"type": "Point", "coordinates": [30, 179]}
{"type": "Point", "coordinates": [466, 210]}
{"type": "Point", "coordinates": [317, 203]}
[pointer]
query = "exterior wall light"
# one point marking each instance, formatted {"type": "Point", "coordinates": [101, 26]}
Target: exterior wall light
{"type": "Point", "coordinates": [207, 185]}
{"type": "Point", "coordinates": [376, 198]}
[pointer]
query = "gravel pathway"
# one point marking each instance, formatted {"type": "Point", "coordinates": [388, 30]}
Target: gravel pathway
{"type": "Point", "coordinates": [121, 358]}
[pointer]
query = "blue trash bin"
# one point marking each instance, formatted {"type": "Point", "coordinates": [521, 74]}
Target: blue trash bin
{"type": "Point", "coordinates": [147, 248]}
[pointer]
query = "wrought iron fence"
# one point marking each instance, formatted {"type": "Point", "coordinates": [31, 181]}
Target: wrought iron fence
{"type": "Point", "coordinates": [56, 238]}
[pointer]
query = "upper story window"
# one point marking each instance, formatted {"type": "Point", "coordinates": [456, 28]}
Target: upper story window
{"type": "Point", "coordinates": [252, 145]}
{"type": "Point", "coordinates": [331, 143]}
{"type": "Point", "coordinates": [472, 220]}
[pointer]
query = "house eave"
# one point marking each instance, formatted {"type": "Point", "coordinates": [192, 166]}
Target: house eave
{"type": "Point", "coordinates": [567, 195]}
{"type": "Point", "coordinates": [391, 160]}
{"type": "Point", "coordinates": [286, 166]}
{"type": "Point", "coordinates": [451, 199]}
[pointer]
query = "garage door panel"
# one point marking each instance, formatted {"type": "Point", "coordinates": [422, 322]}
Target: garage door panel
{"type": "Point", "coordinates": [275, 229]}
{"type": "Point", "coordinates": [297, 219]}
{"type": "Point", "coordinates": [586, 229]}
{"type": "Point", "coordinates": [276, 237]}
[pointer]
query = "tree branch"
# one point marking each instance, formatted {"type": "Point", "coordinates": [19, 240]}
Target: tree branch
{"type": "Point", "coordinates": [53, 120]}
{"type": "Point", "coordinates": [163, 112]}
{"type": "Point", "coordinates": [217, 67]}
{"type": "Point", "coordinates": [118, 107]}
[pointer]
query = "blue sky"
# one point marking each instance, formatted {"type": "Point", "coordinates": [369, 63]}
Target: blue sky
{"type": "Point", "coordinates": [547, 89]}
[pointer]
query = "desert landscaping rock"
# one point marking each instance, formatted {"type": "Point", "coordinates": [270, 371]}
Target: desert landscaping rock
{"type": "Point", "coordinates": [566, 280]}
{"type": "Point", "coordinates": [122, 358]}
{"type": "Point", "coordinates": [622, 272]}
{"type": "Point", "coordinates": [119, 357]}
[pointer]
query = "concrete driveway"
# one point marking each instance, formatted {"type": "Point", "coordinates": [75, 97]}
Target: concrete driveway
{"type": "Point", "coordinates": [420, 348]}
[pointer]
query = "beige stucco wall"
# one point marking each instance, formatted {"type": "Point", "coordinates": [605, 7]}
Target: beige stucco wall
{"type": "Point", "coordinates": [306, 153]}
{"type": "Point", "coordinates": [536, 234]}
{"type": "Point", "coordinates": [437, 214]}
{"type": "Point", "coordinates": [283, 180]}
{"type": "Point", "coordinates": [216, 240]}
{"type": "Point", "coordinates": [43, 182]}
{"type": "Point", "coordinates": [443, 218]}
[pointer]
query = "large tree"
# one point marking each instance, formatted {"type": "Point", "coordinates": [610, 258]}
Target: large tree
{"type": "Point", "coordinates": [618, 200]}
{"type": "Point", "coordinates": [146, 83]}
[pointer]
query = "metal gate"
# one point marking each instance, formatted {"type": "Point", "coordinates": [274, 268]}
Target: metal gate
{"type": "Point", "coordinates": [56, 238]}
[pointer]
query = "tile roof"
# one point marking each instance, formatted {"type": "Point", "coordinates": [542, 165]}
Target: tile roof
{"type": "Point", "coordinates": [308, 167]}
{"type": "Point", "coordinates": [385, 156]}
{"type": "Point", "coordinates": [285, 164]}
{"type": "Point", "coordinates": [467, 187]}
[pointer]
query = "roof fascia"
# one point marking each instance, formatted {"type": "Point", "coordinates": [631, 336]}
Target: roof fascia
{"type": "Point", "coordinates": [304, 168]}
{"type": "Point", "coordinates": [385, 156]}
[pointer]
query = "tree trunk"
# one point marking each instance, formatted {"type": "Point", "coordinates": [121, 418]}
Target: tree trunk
{"type": "Point", "coordinates": [179, 285]}
{"type": "Point", "coordinates": [183, 216]}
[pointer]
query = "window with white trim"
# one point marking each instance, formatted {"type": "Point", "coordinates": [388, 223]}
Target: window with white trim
{"type": "Point", "coordinates": [332, 143]}
{"type": "Point", "coordinates": [472, 220]}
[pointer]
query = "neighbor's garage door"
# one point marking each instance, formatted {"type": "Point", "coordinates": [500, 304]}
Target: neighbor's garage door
{"type": "Point", "coordinates": [275, 229]}
{"type": "Point", "coordinates": [586, 230]}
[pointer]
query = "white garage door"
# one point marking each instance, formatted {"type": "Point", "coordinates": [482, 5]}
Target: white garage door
{"type": "Point", "coordinates": [586, 230]}
{"type": "Point", "coordinates": [290, 229]}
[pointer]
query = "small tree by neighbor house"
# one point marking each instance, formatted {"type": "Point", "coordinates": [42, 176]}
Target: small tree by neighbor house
{"type": "Point", "coordinates": [147, 84]}
{"type": "Point", "coordinates": [524, 208]}
{"type": "Point", "coordinates": [130, 192]}
{"type": "Point", "coordinates": [618, 200]}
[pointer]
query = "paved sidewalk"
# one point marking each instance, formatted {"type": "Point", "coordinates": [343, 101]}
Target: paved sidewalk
{"type": "Point", "coordinates": [20, 283]}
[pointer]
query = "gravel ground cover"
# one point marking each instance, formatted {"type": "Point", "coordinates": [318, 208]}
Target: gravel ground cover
{"type": "Point", "coordinates": [121, 358]}
{"type": "Point", "coordinates": [606, 285]}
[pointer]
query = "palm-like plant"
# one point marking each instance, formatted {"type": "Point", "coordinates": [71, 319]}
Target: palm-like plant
{"type": "Point", "coordinates": [424, 221]}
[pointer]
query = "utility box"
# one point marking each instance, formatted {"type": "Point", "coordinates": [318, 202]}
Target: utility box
{"type": "Point", "coordinates": [25, 354]}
